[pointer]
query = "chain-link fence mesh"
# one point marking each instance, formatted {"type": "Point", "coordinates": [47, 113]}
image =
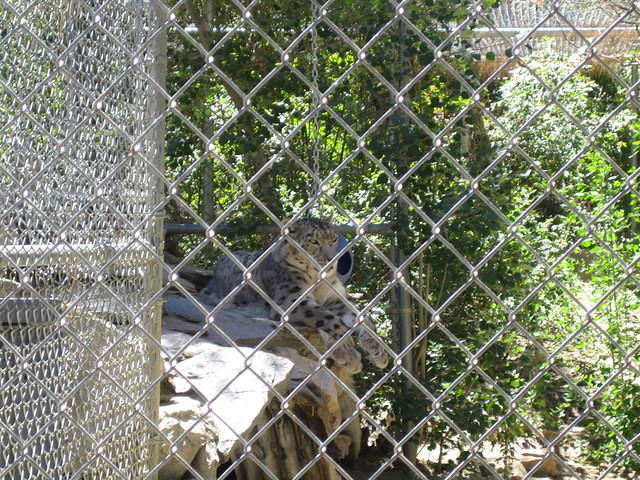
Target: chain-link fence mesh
{"type": "Point", "coordinates": [577, 20]}
{"type": "Point", "coordinates": [77, 243]}
{"type": "Point", "coordinates": [483, 181]}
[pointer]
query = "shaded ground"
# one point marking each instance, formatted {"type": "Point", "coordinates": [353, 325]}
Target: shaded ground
{"type": "Point", "coordinates": [386, 475]}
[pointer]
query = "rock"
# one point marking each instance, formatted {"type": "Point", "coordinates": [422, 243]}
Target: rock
{"type": "Point", "coordinates": [185, 284]}
{"type": "Point", "coordinates": [530, 459]}
{"type": "Point", "coordinates": [173, 345]}
{"type": "Point", "coordinates": [237, 326]}
{"type": "Point", "coordinates": [197, 277]}
{"type": "Point", "coordinates": [178, 306]}
{"type": "Point", "coordinates": [319, 394]}
{"type": "Point", "coordinates": [518, 472]}
{"type": "Point", "coordinates": [238, 329]}
{"type": "Point", "coordinates": [208, 363]}
{"type": "Point", "coordinates": [229, 327]}
{"type": "Point", "coordinates": [196, 311]}
{"type": "Point", "coordinates": [235, 384]}
{"type": "Point", "coordinates": [184, 414]}
{"type": "Point", "coordinates": [178, 324]}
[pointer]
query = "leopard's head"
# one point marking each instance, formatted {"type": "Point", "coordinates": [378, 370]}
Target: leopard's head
{"type": "Point", "coordinates": [318, 239]}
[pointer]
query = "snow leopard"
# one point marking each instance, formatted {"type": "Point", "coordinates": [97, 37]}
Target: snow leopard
{"type": "Point", "coordinates": [290, 268]}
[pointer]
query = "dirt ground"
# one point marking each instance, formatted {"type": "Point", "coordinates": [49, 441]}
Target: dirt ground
{"type": "Point", "coordinates": [386, 475]}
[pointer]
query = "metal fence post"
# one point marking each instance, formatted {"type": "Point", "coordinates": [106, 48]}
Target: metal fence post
{"type": "Point", "coordinates": [405, 317]}
{"type": "Point", "coordinates": [156, 151]}
{"type": "Point", "coordinates": [635, 226]}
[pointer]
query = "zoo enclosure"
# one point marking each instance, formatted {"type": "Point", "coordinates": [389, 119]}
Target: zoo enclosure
{"type": "Point", "coordinates": [81, 259]}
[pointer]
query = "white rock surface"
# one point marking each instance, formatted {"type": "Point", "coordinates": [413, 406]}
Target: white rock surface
{"type": "Point", "coordinates": [229, 325]}
{"type": "Point", "coordinates": [184, 414]}
{"type": "Point", "coordinates": [233, 384]}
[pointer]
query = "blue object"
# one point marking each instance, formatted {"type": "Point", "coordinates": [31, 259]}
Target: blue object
{"type": "Point", "coordinates": [345, 262]}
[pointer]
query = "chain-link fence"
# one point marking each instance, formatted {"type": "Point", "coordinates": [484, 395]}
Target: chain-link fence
{"type": "Point", "coordinates": [484, 194]}
{"type": "Point", "coordinates": [78, 242]}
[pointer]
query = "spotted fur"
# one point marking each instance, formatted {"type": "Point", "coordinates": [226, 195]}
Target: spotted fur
{"type": "Point", "coordinates": [289, 270]}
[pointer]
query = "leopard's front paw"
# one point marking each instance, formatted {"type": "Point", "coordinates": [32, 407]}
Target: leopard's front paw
{"type": "Point", "coordinates": [347, 357]}
{"type": "Point", "coordinates": [373, 346]}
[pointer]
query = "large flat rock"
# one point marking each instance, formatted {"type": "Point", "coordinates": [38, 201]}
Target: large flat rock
{"type": "Point", "coordinates": [234, 384]}
{"type": "Point", "coordinates": [245, 327]}
{"type": "Point", "coordinates": [228, 328]}
{"type": "Point", "coordinates": [193, 439]}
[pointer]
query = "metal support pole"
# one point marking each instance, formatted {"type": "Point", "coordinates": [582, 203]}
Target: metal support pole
{"type": "Point", "coordinates": [405, 318]}
{"type": "Point", "coordinates": [635, 225]}
{"type": "Point", "coordinates": [156, 150]}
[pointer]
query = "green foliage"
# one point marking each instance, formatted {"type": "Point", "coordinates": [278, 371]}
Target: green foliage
{"type": "Point", "coordinates": [554, 110]}
{"type": "Point", "coordinates": [570, 129]}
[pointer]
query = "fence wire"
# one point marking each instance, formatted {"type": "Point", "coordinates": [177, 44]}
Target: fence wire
{"type": "Point", "coordinates": [77, 243]}
{"type": "Point", "coordinates": [86, 99]}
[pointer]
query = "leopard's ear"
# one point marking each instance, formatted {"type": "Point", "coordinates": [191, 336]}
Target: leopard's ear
{"type": "Point", "coordinates": [284, 226]}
